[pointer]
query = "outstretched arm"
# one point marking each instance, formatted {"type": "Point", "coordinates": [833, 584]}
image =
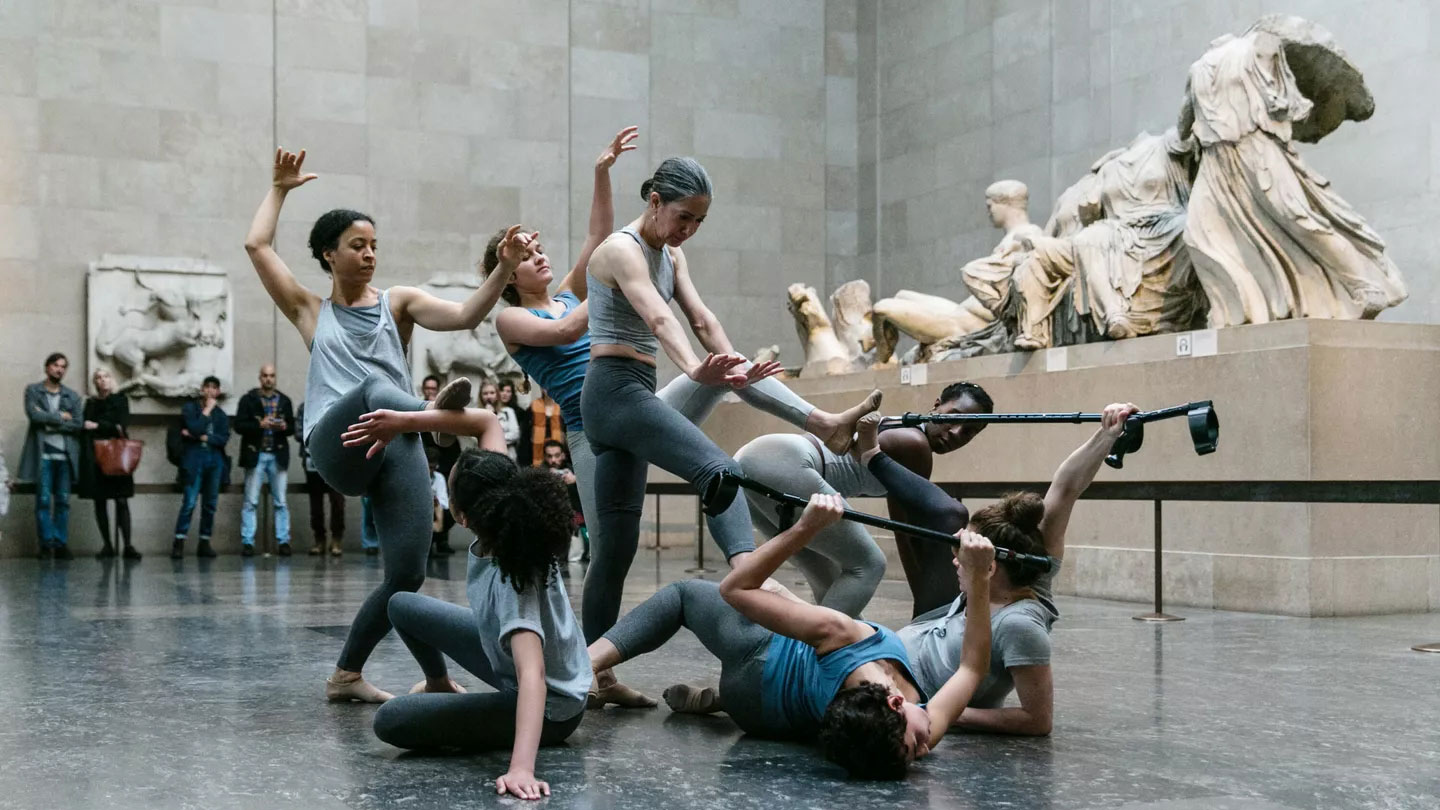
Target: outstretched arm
{"type": "Point", "coordinates": [1076, 472]}
{"type": "Point", "coordinates": [946, 706]}
{"type": "Point", "coordinates": [438, 315]}
{"type": "Point", "coordinates": [602, 210]}
{"type": "Point", "coordinates": [529, 654]}
{"type": "Point", "coordinates": [1033, 717]}
{"type": "Point", "coordinates": [822, 628]}
{"type": "Point", "coordinates": [299, 305]}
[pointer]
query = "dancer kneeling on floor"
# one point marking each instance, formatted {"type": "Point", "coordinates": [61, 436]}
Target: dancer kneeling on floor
{"type": "Point", "coordinates": [793, 670]}
{"type": "Point", "coordinates": [519, 634]}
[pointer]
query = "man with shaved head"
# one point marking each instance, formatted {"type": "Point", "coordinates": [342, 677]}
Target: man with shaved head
{"type": "Point", "coordinates": [265, 420]}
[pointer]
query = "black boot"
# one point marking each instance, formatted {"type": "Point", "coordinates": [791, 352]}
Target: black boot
{"type": "Point", "coordinates": [204, 549]}
{"type": "Point", "coordinates": [43, 554]}
{"type": "Point", "coordinates": [177, 549]}
{"type": "Point", "coordinates": [106, 552]}
{"type": "Point", "coordinates": [63, 553]}
{"type": "Point", "coordinates": [130, 553]}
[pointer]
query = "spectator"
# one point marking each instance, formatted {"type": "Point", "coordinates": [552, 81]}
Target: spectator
{"type": "Point", "coordinates": [107, 416]}
{"type": "Point", "coordinates": [547, 426]}
{"type": "Point", "coordinates": [52, 454]}
{"type": "Point", "coordinates": [440, 532]}
{"type": "Point", "coordinates": [509, 412]}
{"type": "Point", "coordinates": [265, 420]}
{"type": "Point", "coordinates": [319, 492]}
{"type": "Point", "coordinates": [369, 538]}
{"type": "Point", "coordinates": [557, 458]}
{"type": "Point", "coordinates": [206, 431]}
{"type": "Point", "coordinates": [446, 456]}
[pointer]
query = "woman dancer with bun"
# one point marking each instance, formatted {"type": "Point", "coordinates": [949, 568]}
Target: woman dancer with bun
{"type": "Point", "coordinates": [358, 393]}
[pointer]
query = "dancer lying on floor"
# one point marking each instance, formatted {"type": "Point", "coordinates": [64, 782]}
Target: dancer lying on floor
{"type": "Point", "coordinates": [1022, 609]}
{"type": "Point", "coordinates": [519, 634]}
{"type": "Point", "coordinates": [793, 670]}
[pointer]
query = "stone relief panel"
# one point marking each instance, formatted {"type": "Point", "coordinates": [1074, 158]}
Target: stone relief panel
{"type": "Point", "coordinates": [477, 353]}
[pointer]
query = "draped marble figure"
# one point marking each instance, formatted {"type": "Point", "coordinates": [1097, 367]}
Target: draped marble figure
{"type": "Point", "coordinates": [1268, 236]}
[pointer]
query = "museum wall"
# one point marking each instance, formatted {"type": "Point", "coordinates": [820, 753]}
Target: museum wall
{"type": "Point", "coordinates": [967, 92]}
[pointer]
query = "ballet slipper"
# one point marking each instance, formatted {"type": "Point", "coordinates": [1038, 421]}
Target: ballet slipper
{"type": "Point", "coordinates": [424, 687]}
{"type": "Point", "coordinates": [605, 689]}
{"type": "Point", "coordinates": [686, 699]}
{"type": "Point", "coordinates": [837, 429]}
{"type": "Point", "coordinates": [355, 689]}
{"type": "Point", "coordinates": [867, 437]}
{"type": "Point", "coordinates": [455, 396]}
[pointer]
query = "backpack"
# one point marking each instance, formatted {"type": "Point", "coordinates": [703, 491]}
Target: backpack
{"type": "Point", "coordinates": [175, 443]}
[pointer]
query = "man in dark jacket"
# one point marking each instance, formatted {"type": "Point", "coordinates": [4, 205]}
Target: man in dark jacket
{"type": "Point", "coordinates": [265, 420]}
{"type": "Point", "coordinates": [52, 454]}
{"type": "Point", "coordinates": [207, 429]}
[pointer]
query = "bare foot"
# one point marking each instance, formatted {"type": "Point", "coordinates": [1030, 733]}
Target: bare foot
{"type": "Point", "coordinates": [867, 437]}
{"type": "Point", "coordinates": [836, 429]}
{"type": "Point", "coordinates": [686, 699]}
{"type": "Point", "coordinates": [345, 687]}
{"type": "Point", "coordinates": [455, 396]}
{"type": "Point", "coordinates": [607, 690]}
{"type": "Point", "coordinates": [449, 685]}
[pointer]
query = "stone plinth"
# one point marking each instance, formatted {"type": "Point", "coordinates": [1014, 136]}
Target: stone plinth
{"type": "Point", "coordinates": [1297, 400]}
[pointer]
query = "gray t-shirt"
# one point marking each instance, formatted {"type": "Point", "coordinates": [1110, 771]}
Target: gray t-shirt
{"type": "Point", "coordinates": [1019, 637]}
{"type": "Point", "coordinates": [500, 611]}
{"type": "Point", "coordinates": [54, 440]}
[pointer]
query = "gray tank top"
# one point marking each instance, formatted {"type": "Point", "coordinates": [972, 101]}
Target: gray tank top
{"type": "Point", "coordinates": [612, 320]}
{"type": "Point", "coordinates": [341, 359]}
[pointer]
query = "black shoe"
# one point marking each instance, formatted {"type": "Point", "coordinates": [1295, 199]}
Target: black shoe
{"type": "Point", "coordinates": [63, 553]}
{"type": "Point", "coordinates": [372, 551]}
{"type": "Point", "coordinates": [130, 553]}
{"type": "Point", "coordinates": [43, 553]}
{"type": "Point", "coordinates": [106, 552]}
{"type": "Point", "coordinates": [283, 549]}
{"type": "Point", "coordinates": [246, 550]}
{"type": "Point", "coordinates": [177, 548]}
{"type": "Point", "coordinates": [204, 549]}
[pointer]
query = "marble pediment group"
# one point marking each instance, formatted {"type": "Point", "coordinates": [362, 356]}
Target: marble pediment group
{"type": "Point", "coordinates": [1215, 222]}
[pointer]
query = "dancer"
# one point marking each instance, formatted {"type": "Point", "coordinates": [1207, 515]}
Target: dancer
{"type": "Point", "coordinates": [358, 392]}
{"type": "Point", "coordinates": [548, 337]}
{"type": "Point", "coordinates": [793, 670]}
{"type": "Point", "coordinates": [1022, 605]}
{"type": "Point", "coordinates": [519, 635]}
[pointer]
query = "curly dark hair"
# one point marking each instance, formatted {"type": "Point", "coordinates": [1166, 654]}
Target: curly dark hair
{"type": "Point", "coordinates": [491, 260]}
{"type": "Point", "coordinates": [863, 735]}
{"type": "Point", "coordinates": [521, 516]}
{"type": "Point", "coordinates": [325, 234]}
{"type": "Point", "coordinates": [1013, 522]}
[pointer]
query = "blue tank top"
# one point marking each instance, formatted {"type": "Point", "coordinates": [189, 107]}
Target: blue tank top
{"type": "Point", "coordinates": [613, 321]}
{"type": "Point", "coordinates": [799, 686]}
{"type": "Point", "coordinates": [560, 370]}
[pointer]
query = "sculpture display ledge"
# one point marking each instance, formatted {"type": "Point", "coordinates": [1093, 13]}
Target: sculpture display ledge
{"type": "Point", "coordinates": [1302, 400]}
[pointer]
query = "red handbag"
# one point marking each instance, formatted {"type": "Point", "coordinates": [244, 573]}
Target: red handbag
{"type": "Point", "coordinates": [118, 456]}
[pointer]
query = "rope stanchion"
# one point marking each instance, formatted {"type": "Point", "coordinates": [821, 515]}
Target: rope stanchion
{"type": "Point", "coordinates": [1159, 615]}
{"type": "Point", "coordinates": [700, 567]}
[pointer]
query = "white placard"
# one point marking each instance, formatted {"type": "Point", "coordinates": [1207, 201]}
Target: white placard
{"type": "Point", "coordinates": [1206, 342]}
{"type": "Point", "coordinates": [919, 374]}
{"type": "Point", "coordinates": [1184, 344]}
{"type": "Point", "coordinates": [1056, 359]}
{"type": "Point", "coordinates": [905, 375]}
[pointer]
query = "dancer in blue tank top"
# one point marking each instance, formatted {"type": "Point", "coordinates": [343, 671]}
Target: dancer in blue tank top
{"type": "Point", "coordinates": [362, 418]}
{"type": "Point", "coordinates": [793, 670]}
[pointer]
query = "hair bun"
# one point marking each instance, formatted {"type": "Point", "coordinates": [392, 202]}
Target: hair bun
{"type": "Point", "coordinates": [1024, 510]}
{"type": "Point", "coordinates": [645, 188]}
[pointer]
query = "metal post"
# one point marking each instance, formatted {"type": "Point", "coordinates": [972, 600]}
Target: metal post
{"type": "Point", "coordinates": [700, 541]}
{"type": "Point", "coordinates": [657, 537]}
{"type": "Point", "coordinates": [1159, 615]}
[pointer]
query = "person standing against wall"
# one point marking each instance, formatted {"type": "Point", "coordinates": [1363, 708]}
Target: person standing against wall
{"type": "Point", "coordinates": [265, 420]}
{"type": "Point", "coordinates": [107, 416]}
{"type": "Point", "coordinates": [319, 492]}
{"type": "Point", "coordinates": [52, 455]}
{"type": "Point", "coordinates": [206, 431]}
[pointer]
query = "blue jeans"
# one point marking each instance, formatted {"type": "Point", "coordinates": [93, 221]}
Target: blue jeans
{"type": "Point", "coordinates": [52, 492]}
{"type": "Point", "coordinates": [265, 471]}
{"type": "Point", "coordinates": [368, 537]}
{"type": "Point", "coordinates": [205, 480]}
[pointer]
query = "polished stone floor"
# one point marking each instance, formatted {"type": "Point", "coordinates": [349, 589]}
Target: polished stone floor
{"type": "Point", "coordinates": [197, 685]}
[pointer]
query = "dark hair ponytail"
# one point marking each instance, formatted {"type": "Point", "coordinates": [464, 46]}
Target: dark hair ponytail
{"type": "Point", "coordinates": [677, 178]}
{"type": "Point", "coordinates": [1013, 522]}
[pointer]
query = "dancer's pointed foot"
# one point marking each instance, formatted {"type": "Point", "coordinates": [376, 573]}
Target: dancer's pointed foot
{"type": "Point", "coordinates": [345, 687]}
{"type": "Point", "coordinates": [455, 396]}
{"type": "Point", "coordinates": [607, 690]}
{"type": "Point", "coordinates": [686, 699]}
{"type": "Point", "coordinates": [448, 685]}
{"type": "Point", "coordinates": [867, 437]}
{"type": "Point", "coordinates": [837, 429]}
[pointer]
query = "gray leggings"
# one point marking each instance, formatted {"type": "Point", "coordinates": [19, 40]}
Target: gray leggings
{"type": "Point", "coordinates": [397, 480]}
{"type": "Point", "coordinates": [627, 426]}
{"type": "Point", "coordinates": [481, 721]}
{"type": "Point", "coordinates": [740, 644]}
{"type": "Point", "coordinates": [842, 565]}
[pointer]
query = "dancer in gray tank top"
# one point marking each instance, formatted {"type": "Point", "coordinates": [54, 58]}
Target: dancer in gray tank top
{"type": "Point", "coordinates": [361, 417]}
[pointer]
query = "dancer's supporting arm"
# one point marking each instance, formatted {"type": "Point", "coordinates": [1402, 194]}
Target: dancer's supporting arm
{"type": "Point", "coordinates": [822, 628]}
{"type": "Point", "coordinates": [977, 561]}
{"type": "Point", "coordinates": [416, 306]}
{"type": "Point", "coordinates": [299, 305]}
{"type": "Point", "coordinates": [1076, 473]}
{"type": "Point", "coordinates": [528, 652]}
{"type": "Point", "coordinates": [706, 326]}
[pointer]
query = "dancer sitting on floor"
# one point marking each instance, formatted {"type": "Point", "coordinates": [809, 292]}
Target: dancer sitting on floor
{"type": "Point", "coordinates": [359, 393]}
{"type": "Point", "coordinates": [1022, 607]}
{"type": "Point", "coordinates": [792, 670]}
{"type": "Point", "coordinates": [549, 337]}
{"type": "Point", "coordinates": [519, 634]}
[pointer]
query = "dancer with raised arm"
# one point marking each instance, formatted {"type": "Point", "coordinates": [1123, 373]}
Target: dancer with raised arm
{"type": "Point", "coordinates": [361, 419]}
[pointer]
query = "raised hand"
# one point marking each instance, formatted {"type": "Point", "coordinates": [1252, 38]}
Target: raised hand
{"type": "Point", "coordinates": [1112, 419]}
{"type": "Point", "coordinates": [522, 785]}
{"type": "Point", "coordinates": [823, 510]}
{"type": "Point", "coordinates": [288, 172]}
{"type": "Point", "coordinates": [624, 142]}
{"type": "Point", "coordinates": [515, 248]}
{"type": "Point", "coordinates": [719, 369]}
{"type": "Point", "coordinates": [758, 372]}
{"type": "Point", "coordinates": [377, 429]}
{"type": "Point", "coordinates": [976, 552]}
